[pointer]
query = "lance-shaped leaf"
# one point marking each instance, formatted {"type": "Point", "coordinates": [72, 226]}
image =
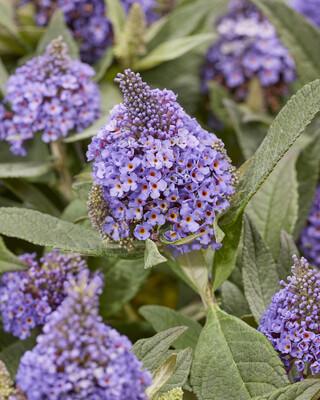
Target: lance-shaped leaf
{"type": "Point", "coordinates": [259, 271]}
{"type": "Point", "coordinates": [161, 376]}
{"type": "Point", "coordinates": [28, 169]}
{"type": "Point", "coordinates": [275, 206]}
{"type": "Point", "coordinates": [234, 361]}
{"type": "Point", "coordinates": [45, 230]}
{"type": "Point", "coordinates": [308, 389]}
{"type": "Point", "coordinates": [8, 261]}
{"type": "Point", "coordinates": [233, 300]}
{"type": "Point", "coordinates": [291, 121]}
{"type": "Point", "coordinates": [287, 250]}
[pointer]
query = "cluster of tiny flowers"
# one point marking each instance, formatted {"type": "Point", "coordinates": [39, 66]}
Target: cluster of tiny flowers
{"type": "Point", "coordinates": [310, 236]}
{"type": "Point", "coordinates": [27, 297]}
{"type": "Point", "coordinates": [78, 356]}
{"type": "Point", "coordinates": [156, 166]}
{"type": "Point", "coordinates": [52, 94]}
{"type": "Point", "coordinates": [88, 21]}
{"type": "Point", "coordinates": [292, 321]}
{"type": "Point", "coordinates": [309, 8]}
{"type": "Point", "coordinates": [248, 47]}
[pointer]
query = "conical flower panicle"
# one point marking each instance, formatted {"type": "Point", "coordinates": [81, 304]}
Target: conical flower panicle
{"type": "Point", "coordinates": [52, 95]}
{"type": "Point", "coordinates": [292, 321]}
{"type": "Point", "coordinates": [310, 235]}
{"type": "Point", "coordinates": [248, 48]}
{"type": "Point", "coordinates": [156, 166]}
{"type": "Point", "coordinates": [28, 297]}
{"type": "Point", "coordinates": [78, 356]}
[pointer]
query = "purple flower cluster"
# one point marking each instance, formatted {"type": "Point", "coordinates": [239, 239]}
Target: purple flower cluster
{"type": "Point", "coordinates": [292, 321]}
{"type": "Point", "coordinates": [79, 357]}
{"type": "Point", "coordinates": [27, 297]}
{"type": "Point", "coordinates": [309, 8]}
{"type": "Point", "coordinates": [248, 47]}
{"type": "Point", "coordinates": [156, 167]}
{"type": "Point", "coordinates": [51, 94]}
{"type": "Point", "coordinates": [88, 21]}
{"type": "Point", "coordinates": [310, 236]}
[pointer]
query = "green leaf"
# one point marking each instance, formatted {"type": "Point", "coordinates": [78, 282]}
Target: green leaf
{"type": "Point", "coordinates": [103, 64]}
{"type": "Point", "coordinates": [31, 196]}
{"type": "Point", "coordinates": [224, 358]}
{"type": "Point", "coordinates": [162, 318]}
{"type": "Point", "coordinates": [287, 250]}
{"type": "Point", "coordinates": [4, 75]}
{"type": "Point", "coordinates": [181, 372]}
{"type": "Point", "coordinates": [217, 95]}
{"type": "Point", "coordinates": [185, 20]}
{"type": "Point", "coordinates": [260, 275]}
{"type": "Point", "coordinates": [193, 266]}
{"type": "Point", "coordinates": [291, 121]}
{"type": "Point", "coordinates": [57, 27]}
{"type": "Point", "coordinates": [308, 389]}
{"type": "Point", "coordinates": [45, 230]}
{"type": "Point", "coordinates": [233, 300]}
{"type": "Point", "coordinates": [225, 258]}
{"type": "Point", "coordinates": [117, 17]}
{"type": "Point", "coordinates": [7, 20]}
{"type": "Point", "coordinates": [275, 206]}
{"type": "Point", "coordinates": [307, 174]}
{"type": "Point", "coordinates": [249, 134]}
{"type": "Point", "coordinates": [8, 261]}
{"type": "Point", "coordinates": [161, 376]}
{"type": "Point", "coordinates": [122, 282]}
{"type": "Point", "coordinates": [150, 351]}
{"type": "Point", "coordinates": [185, 240]}
{"type": "Point", "coordinates": [28, 169]}
{"type": "Point", "coordinates": [173, 49]}
{"type": "Point", "coordinates": [152, 256]}
{"type": "Point", "coordinates": [218, 233]}
{"type": "Point", "coordinates": [11, 354]}
{"type": "Point", "coordinates": [299, 35]}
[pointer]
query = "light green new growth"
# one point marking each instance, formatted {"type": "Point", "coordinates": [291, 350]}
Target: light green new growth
{"type": "Point", "coordinates": [174, 394]}
{"type": "Point", "coordinates": [6, 385]}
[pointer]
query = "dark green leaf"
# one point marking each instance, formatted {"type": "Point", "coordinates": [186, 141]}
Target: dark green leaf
{"type": "Point", "coordinates": [224, 358]}
{"type": "Point", "coordinates": [260, 275]}
{"type": "Point", "coordinates": [8, 261]}
{"type": "Point", "coordinates": [103, 64]}
{"type": "Point", "coordinates": [225, 258]}
{"type": "Point", "coordinates": [3, 78]}
{"type": "Point", "coordinates": [162, 318]}
{"type": "Point", "coordinates": [292, 120]}
{"type": "Point", "coordinates": [150, 351]}
{"type": "Point", "coordinates": [122, 282]}
{"type": "Point", "coordinates": [275, 206]}
{"type": "Point", "coordinates": [287, 250]}
{"type": "Point", "coordinates": [233, 300]}
{"type": "Point", "coordinates": [299, 35]}
{"type": "Point", "coordinates": [308, 389]}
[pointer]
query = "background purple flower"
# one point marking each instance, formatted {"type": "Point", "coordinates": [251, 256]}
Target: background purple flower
{"type": "Point", "coordinates": [292, 321]}
{"type": "Point", "coordinates": [78, 356]}
{"type": "Point", "coordinates": [248, 47]}
{"type": "Point", "coordinates": [27, 297]}
{"type": "Point", "coordinates": [180, 173]}
{"type": "Point", "coordinates": [52, 95]}
{"type": "Point", "coordinates": [310, 236]}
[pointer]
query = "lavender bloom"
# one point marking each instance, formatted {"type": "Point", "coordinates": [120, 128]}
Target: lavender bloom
{"type": "Point", "coordinates": [309, 8]}
{"type": "Point", "coordinates": [88, 21]}
{"type": "Point", "coordinates": [51, 94]}
{"type": "Point", "coordinates": [28, 297]}
{"type": "Point", "coordinates": [248, 47]}
{"type": "Point", "coordinates": [310, 236]}
{"type": "Point", "coordinates": [291, 322]}
{"type": "Point", "coordinates": [154, 165]}
{"type": "Point", "coordinates": [78, 356]}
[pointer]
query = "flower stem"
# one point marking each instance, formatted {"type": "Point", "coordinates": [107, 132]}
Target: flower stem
{"type": "Point", "coordinates": [59, 154]}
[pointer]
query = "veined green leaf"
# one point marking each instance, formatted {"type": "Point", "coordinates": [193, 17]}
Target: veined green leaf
{"type": "Point", "coordinates": [28, 169]}
{"type": "Point", "coordinates": [161, 376]}
{"type": "Point", "coordinates": [287, 250]}
{"type": "Point", "coordinates": [152, 256]}
{"type": "Point", "coordinates": [233, 300]}
{"type": "Point", "coordinates": [309, 389]}
{"type": "Point", "coordinates": [226, 351]}
{"type": "Point", "coordinates": [8, 261]}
